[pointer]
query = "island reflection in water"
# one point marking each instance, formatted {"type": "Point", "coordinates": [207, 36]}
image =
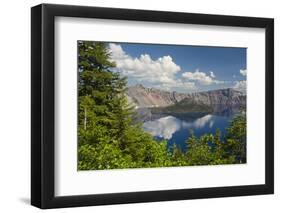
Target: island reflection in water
{"type": "Point", "coordinates": [176, 130]}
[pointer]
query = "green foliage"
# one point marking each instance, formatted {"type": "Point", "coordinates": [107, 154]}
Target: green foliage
{"type": "Point", "coordinates": [209, 149]}
{"type": "Point", "coordinates": [236, 138]}
{"type": "Point", "coordinates": [109, 138]}
{"type": "Point", "coordinates": [184, 106]}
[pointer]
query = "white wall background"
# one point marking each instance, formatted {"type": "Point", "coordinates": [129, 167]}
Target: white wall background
{"type": "Point", "coordinates": [15, 105]}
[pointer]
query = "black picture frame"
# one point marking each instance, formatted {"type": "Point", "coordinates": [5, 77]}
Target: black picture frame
{"type": "Point", "coordinates": [43, 102]}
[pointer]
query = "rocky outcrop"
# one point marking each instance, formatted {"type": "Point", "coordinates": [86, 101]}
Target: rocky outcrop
{"type": "Point", "coordinates": [143, 97]}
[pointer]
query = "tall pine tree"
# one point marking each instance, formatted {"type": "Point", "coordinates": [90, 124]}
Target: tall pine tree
{"type": "Point", "coordinates": [104, 114]}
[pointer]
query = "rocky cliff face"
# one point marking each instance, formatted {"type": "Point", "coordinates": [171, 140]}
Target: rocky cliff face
{"type": "Point", "coordinates": [143, 97]}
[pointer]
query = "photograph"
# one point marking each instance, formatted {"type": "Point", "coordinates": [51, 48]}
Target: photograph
{"type": "Point", "coordinates": [134, 105]}
{"type": "Point", "coordinates": [160, 105]}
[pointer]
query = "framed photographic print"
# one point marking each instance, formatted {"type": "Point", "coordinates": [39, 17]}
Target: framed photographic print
{"type": "Point", "coordinates": [139, 106]}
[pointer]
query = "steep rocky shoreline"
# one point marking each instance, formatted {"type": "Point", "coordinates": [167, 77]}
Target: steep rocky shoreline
{"type": "Point", "coordinates": [143, 97]}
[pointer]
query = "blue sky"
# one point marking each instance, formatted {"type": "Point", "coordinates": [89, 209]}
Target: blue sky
{"type": "Point", "coordinates": [181, 68]}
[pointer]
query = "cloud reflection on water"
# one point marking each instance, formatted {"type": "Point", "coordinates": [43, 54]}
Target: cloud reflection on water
{"type": "Point", "coordinates": [165, 127]}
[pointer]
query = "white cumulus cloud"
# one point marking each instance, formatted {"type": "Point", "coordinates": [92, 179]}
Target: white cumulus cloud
{"type": "Point", "coordinates": [243, 72]}
{"type": "Point", "coordinates": [201, 77]}
{"type": "Point", "coordinates": [240, 86]}
{"type": "Point", "coordinates": [159, 72]}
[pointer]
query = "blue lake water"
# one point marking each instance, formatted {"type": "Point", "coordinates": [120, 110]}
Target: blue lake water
{"type": "Point", "coordinates": [176, 130]}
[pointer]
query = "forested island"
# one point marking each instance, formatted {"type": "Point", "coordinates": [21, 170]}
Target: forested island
{"type": "Point", "coordinates": [111, 137]}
